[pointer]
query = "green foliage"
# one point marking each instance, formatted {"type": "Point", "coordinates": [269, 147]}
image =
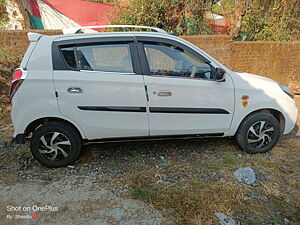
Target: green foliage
{"type": "Point", "coordinates": [9, 58]}
{"type": "Point", "coordinates": [263, 20]}
{"type": "Point", "coordinates": [276, 20]}
{"type": "Point", "coordinates": [144, 194]}
{"type": "Point", "coordinates": [9, 61]}
{"type": "Point", "coordinates": [144, 189]}
{"type": "Point", "coordinates": [175, 16]}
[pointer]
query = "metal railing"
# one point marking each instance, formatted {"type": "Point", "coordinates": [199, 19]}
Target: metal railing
{"type": "Point", "coordinates": [76, 30]}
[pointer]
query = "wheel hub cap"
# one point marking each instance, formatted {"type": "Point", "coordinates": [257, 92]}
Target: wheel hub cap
{"type": "Point", "coordinates": [54, 146]}
{"type": "Point", "coordinates": [260, 134]}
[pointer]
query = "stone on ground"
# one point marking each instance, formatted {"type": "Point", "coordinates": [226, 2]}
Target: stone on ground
{"type": "Point", "coordinates": [246, 175]}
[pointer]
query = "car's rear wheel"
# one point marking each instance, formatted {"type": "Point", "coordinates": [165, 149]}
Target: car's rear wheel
{"type": "Point", "coordinates": [55, 144]}
{"type": "Point", "coordinates": [258, 133]}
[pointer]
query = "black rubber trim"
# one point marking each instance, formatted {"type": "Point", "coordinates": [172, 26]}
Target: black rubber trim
{"type": "Point", "coordinates": [113, 108]}
{"type": "Point", "coordinates": [155, 109]}
{"type": "Point", "coordinates": [146, 90]}
{"type": "Point", "coordinates": [20, 139]}
{"type": "Point", "coordinates": [135, 59]}
{"type": "Point", "coordinates": [188, 110]}
{"type": "Point", "coordinates": [156, 137]}
{"type": "Point", "coordinates": [143, 59]}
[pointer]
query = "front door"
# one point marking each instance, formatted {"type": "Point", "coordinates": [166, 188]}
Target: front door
{"type": "Point", "coordinates": [184, 98]}
{"type": "Point", "coordinates": [102, 89]}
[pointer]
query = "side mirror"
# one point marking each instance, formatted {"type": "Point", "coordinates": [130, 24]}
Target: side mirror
{"type": "Point", "coordinates": [220, 74]}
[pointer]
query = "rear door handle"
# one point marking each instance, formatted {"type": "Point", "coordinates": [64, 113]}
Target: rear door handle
{"type": "Point", "coordinates": [163, 93]}
{"type": "Point", "coordinates": [75, 90]}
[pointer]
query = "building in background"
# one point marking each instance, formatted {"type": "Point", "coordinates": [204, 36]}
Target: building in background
{"type": "Point", "coordinates": [218, 23]}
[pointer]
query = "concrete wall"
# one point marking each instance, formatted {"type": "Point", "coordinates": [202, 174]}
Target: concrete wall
{"type": "Point", "coordinates": [277, 60]}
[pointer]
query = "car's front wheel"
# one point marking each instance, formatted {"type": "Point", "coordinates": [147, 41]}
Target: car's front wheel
{"type": "Point", "coordinates": [258, 133]}
{"type": "Point", "coordinates": [55, 144]}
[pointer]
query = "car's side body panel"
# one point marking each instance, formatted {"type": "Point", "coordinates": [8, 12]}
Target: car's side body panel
{"type": "Point", "coordinates": [116, 105]}
{"type": "Point", "coordinates": [263, 93]}
{"type": "Point", "coordinates": [195, 106]}
{"type": "Point", "coordinates": [36, 99]}
{"type": "Point", "coordinates": [36, 94]}
{"type": "Point", "coordinates": [110, 104]}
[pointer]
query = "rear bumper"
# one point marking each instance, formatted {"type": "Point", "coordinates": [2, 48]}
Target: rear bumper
{"type": "Point", "coordinates": [18, 118]}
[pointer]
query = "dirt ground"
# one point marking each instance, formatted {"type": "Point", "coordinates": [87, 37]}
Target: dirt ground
{"type": "Point", "coordinates": [151, 183]}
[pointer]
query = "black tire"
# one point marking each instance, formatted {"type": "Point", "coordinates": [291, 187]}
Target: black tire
{"type": "Point", "coordinates": [65, 146]}
{"type": "Point", "coordinates": [258, 126]}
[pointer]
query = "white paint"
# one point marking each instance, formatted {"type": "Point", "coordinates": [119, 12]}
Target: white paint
{"type": "Point", "coordinates": [36, 97]}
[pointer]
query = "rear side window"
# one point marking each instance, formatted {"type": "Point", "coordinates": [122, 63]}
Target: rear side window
{"type": "Point", "coordinates": [102, 57]}
{"type": "Point", "coordinates": [107, 58]}
{"type": "Point", "coordinates": [69, 56]}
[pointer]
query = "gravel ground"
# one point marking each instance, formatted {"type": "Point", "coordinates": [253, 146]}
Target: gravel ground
{"type": "Point", "coordinates": [77, 201]}
{"type": "Point", "coordinates": [95, 190]}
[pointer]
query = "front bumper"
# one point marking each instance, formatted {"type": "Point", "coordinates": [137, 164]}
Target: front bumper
{"type": "Point", "coordinates": [290, 118]}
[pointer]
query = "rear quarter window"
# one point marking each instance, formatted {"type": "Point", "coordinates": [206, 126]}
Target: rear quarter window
{"type": "Point", "coordinates": [69, 57]}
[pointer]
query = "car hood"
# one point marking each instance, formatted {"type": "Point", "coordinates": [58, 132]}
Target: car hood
{"type": "Point", "coordinates": [251, 82]}
{"type": "Point", "coordinates": [254, 78]}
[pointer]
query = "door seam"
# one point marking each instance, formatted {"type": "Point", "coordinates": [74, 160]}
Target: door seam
{"type": "Point", "coordinates": [146, 89]}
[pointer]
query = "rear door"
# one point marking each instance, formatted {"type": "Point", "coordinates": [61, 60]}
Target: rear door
{"type": "Point", "coordinates": [184, 97]}
{"type": "Point", "coordinates": [99, 85]}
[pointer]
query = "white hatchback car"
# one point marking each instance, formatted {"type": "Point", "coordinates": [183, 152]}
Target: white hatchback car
{"type": "Point", "coordinates": [120, 86]}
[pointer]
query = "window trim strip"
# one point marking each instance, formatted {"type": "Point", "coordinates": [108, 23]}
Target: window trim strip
{"type": "Point", "coordinates": [155, 109]}
{"type": "Point", "coordinates": [113, 108]}
{"type": "Point", "coordinates": [188, 110]}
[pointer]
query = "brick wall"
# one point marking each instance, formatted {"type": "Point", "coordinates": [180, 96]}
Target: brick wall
{"type": "Point", "coordinates": [18, 40]}
{"type": "Point", "coordinates": [277, 60]}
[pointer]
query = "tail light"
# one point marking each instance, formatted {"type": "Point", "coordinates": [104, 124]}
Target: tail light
{"type": "Point", "coordinates": [18, 77]}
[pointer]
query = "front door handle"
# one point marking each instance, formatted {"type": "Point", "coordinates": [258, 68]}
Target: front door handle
{"type": "Point", "coordinates": [163, 93]}
{"type": "Point", "coordinates": [75, 90]}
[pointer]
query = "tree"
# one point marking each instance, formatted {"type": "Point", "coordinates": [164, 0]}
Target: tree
{"type": "Point", "coordinates": [272, 20]}
{"type": "Point", "coordinates": [276, 20]}
{"type": "Point", "coordinates": [174, 16]}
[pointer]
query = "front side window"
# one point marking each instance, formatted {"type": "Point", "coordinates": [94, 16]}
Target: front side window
{"type": "Point", "coordinates": [107, 58]}
{"type": "Point", "coordinates": [166, 60]}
